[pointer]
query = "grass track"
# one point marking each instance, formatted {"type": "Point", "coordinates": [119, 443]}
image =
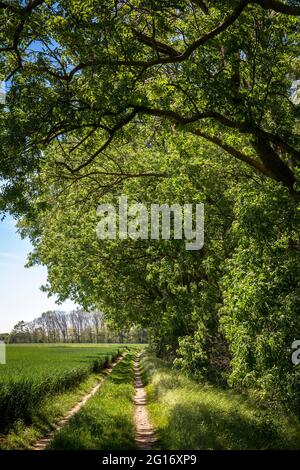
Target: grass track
{"type": "Point", "coordinates": [106, 422]}
{"type": "Point", "coordinates": [194, 416]}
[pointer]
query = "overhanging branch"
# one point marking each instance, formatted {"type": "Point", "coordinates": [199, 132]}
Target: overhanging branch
{"type": "Point", "coordinates": [278, 6]}
{"type": "Point", "coordinates": [256, 164]}
{"type": "Point", "coordinates": [173, 56]}
{"type": "Point", "coordinates": [112, 133]}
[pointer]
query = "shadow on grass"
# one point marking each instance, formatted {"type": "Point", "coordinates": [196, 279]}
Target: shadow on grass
{"type": "Point", "coordinates": [190, 415]}
{"type": "Point", "coordinates": [120, 375]}
{"type": "Point", "coordinates": [195, 426]}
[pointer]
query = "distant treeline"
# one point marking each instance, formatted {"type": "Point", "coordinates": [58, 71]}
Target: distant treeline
{"type": "Point", "coordinates": [76, 326]}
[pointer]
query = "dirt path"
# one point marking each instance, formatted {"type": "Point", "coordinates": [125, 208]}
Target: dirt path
{"type": "Point", "coordinates": [144, 432]}
{"type": "Point", "coordinates": [42, 443]}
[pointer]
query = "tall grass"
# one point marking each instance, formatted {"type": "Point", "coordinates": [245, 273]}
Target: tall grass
{"type": "Point", "coordinates": [50, 410]}
{"type": "Point", "coordinates": [33, 373]}
{"type": "Point", "coordinates": [188, 415]}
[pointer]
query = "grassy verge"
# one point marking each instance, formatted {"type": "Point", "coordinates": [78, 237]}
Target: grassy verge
{"type": "Point", "coordinates": [22, 435]}
{"type": "Point", "coordinates": [106, 422]}
{"type": "Point", "coordinates": [187, 415]}
{"type": "Point", "coordinates": [50, 410]}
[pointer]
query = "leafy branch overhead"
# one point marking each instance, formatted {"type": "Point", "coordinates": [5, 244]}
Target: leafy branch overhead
{"type": "Point", "coordinates": [84, 73]}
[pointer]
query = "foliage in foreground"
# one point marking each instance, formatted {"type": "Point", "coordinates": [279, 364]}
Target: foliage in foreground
{"type": "Point", "coordinates": [188, 415]}
{"type": "Point", "coordinates": [106, 422]}
{"type": "Point", "coordinates": [33, 373]}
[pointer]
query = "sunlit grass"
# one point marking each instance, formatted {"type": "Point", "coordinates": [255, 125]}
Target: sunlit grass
{"type": "Point", "coordinates": [188, 415]}
{"type": "Point", "coordinates": [106, 422]}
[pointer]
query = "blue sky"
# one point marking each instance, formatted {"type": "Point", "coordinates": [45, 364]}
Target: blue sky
{"type": "Point", "coordinates": [20, 294]}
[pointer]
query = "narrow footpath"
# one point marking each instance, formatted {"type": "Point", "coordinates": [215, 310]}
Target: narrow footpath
{"type": "Point", "coordinates": [144, 434]}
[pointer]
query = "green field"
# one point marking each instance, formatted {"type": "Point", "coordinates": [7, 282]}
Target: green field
{"type": "Point", "coordinates": [34, 372]}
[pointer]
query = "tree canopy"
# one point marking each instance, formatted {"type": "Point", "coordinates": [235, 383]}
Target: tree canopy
{"type": "Point", "coordinates": [83, 73]}
{"type": "Point", "coordinates": [165, 102]}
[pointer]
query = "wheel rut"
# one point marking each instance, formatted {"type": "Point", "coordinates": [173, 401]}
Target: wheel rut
{"type": "Point", "coordinates": [43, 442]}
{"type": "Point", "coordinates": [144, 431]}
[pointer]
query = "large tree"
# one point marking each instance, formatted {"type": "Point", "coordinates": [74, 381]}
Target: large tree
{"type": "Point", "coordinates": [80, 73]}
{"type": "Point", "coordinates": [199, 99]}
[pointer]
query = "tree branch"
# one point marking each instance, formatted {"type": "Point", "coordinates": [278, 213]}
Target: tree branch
{"type": "Point", "coordinates": [23, 14]}
{"type": "Point", "coordinates": [171, 58]}
{"type": "Point", "coordinates": [284, 146]}
{"type": "Point", "coordinates": [201, 4]}
{"type": "Point", "coordinates": [279, 169]}
{"type": "Point", "coordinates": [159, 46]}
{"type": "Point", "coordinates": [234, 152]}
{"type": "Point", "coordinates": [112, 133]}
{"type": "Point", "coordinates": [184, 120]}
{"type": "Point", "coordinates": [278, 6]}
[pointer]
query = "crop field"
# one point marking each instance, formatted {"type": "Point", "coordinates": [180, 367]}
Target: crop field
{"type": "Point", "coordinates": [34, 372]}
